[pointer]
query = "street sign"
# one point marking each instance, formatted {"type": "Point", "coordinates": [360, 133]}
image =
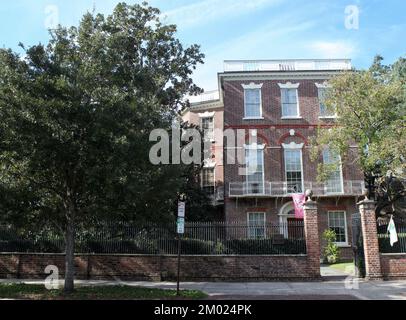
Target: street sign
{"type": "Point", "coordinates": [180, 225]}
{"type": "Point", "coordinates": [181, 209]}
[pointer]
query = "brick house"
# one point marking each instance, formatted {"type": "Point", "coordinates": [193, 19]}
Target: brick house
{"type": "Point", "coordinates": [276, 104]}
{"type": "Point", "coordinates": [207, 112]}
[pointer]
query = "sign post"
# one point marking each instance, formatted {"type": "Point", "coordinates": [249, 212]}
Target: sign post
{"type": "Point", "coordinates": [180, 226]}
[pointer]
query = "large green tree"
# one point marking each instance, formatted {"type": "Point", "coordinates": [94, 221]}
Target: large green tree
{"type": "Point", "coordinates": [76, 115]}
{"type": "Point", "coordinates": [371, 114]}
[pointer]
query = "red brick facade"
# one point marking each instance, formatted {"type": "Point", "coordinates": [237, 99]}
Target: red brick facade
{"type": "Point", "coordinates": [273, 131]}
{"type": "Point", "coordinates": [147, 267]}
{"type": "Point", "coordinates": [312, 238]}
{"type": "Point", "coordinates": [393, 266]}
{"type": "Point", "coordinates": [370, 238]}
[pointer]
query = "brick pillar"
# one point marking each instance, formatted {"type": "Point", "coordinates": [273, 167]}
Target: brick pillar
{"type": "Point", "coordinates": [311, 227]}
{"type": "Point", "coordinates": [370, 239]}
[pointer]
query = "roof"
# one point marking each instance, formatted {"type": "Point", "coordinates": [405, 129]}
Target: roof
{"type": "Point", "coordinates": [287, 65]}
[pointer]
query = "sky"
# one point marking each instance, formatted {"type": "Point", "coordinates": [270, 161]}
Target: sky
{"type": "Point", "coordinates": [239, 29]}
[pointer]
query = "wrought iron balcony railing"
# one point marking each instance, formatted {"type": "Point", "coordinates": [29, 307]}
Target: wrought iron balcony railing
{"type": "Point", "coordinates": [283, 188]}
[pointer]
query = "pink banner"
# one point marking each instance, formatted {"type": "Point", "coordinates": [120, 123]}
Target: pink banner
{"type": "Point", "coordinates": [299, 200]}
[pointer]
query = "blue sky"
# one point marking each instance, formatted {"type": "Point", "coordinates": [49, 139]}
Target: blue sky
{"type": "Point", "coordinates": [239, 29]}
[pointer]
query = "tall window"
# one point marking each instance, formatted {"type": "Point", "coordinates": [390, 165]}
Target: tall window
{"type": "Point", "coordinates": [334, 182]}
{"type": "Point", "coordinates": [252, 103]}
{"type": "Point", "coordinates": [208, 179]}
{"type": "Point", "coordinates": [207, 125]}
{"type": "Point", "coordinates": [324, 112]}
{"type": "Point", "coordinates": [338, 223]}
{"type": "Point", "coordinates": [289, 102]}
{"type": "Point", "coordinates": [293, 170]}
{"type": "Point", "coordinates": [256, 225]}
{"type": "Point", "coordinates": [254, 158]}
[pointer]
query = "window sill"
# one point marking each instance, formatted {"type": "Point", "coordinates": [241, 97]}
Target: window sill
{"type": "Point", "coordinates": [253, 118]}
{"type": "Point", "coordinates": [288, 118]}
{"type": "Point", "coordinates": [327, 117]}
{"type": "Point", "coordinates": [342, 245]}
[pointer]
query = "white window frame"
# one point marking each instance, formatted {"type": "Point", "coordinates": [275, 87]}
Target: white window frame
{"type": "Point", "coordinates": [206, 115]}
{"type": "Point", "coordinates": [253, 86]}
{"type": "Point", "coordinates": [256, 226]}
{"type": "Point", "coordinates": [295, 86]}
{"type": "Point", "coordinates": [255, 147]}
{"type": "Point", "coordinates": [323, 86]}
{"type": "Point", "coordinates": [293, 146]}
{"type": "Point", "coordinates": [340, 166]}
{"type": "Point", "coordinates": [338, 243]}
{"type": "Point", "coordinates": [284, 216]}
{"type": "Point", "coordinates": [208, 167]}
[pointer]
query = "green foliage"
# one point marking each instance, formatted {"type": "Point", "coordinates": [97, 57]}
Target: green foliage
{"type": "Point", "coordinates": [371, 114]}
{"type": "Point", "coordinates": [76, 115]}
{"type": "Point", "coordinates": [331, 250]}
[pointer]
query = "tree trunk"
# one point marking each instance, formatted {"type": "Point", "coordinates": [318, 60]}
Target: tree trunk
{"type": "Point", "coordinates": [69, 257]}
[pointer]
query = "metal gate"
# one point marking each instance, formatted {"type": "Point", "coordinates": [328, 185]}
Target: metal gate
{"type": "Point", "coordinates": [358, 245]}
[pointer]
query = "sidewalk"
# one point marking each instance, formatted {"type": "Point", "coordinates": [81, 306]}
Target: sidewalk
{"type": "Point", "coordinates": [386, 290]}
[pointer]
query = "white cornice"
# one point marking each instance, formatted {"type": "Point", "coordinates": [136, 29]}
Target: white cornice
{"type": "Point", "coordinates": [203, 107]}
{"type": "Point", "coordinates": [252, 85]}
{"type": "Point", "coordinates": [322, 85]}
{"type": "Point", "coordinates": [254, 146]}
{"type": "Point", "coordinates": [206, 114]}
{"type": "Point", "coordinates": [209, 164]}
{"type": "Point", "coordinates": [292, 145]}
{"type": "Point", "coordinates": [261, 76]}
{"type": "Point", "coordinates": [288, 85]}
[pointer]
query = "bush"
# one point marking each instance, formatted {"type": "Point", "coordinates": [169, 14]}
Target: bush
{"type": "Point", "coordinates": [331, 251]}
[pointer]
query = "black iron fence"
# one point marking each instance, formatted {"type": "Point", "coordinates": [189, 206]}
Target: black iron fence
{"type": "Point", "coordinates": [209, 238]}
{"type": "Point", "coordinates": [384, 237]}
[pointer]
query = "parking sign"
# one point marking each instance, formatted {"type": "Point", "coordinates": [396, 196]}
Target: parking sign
{"type": "Point", "coordinates": [181, 225]}
{"type": "Point", "coordinates": [181, 209]}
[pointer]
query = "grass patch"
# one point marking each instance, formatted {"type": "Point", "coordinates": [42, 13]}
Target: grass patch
{"type": "Point", "coordinates": [39, 292]}
{"type": "Point", "coordinates": [344, 267]}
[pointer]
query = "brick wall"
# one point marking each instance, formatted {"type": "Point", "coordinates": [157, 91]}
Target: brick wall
{"type": "Point", "coordinates": [311, 226]}
{"type": "Point", "coordinates": [237, 211]}
{"type": "Point", "coordinates": [370, 239]}
{"type": "Point", "coordinates": [393, 266]}
{"type": "Point", "coordinates": [144, 267]}
{"type": "Point", "coordinates": [271, 102]}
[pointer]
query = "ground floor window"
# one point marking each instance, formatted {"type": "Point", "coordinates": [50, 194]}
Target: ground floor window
{"type": "Point", "coordinates": [338, 223]}
{"type": "Point", "coordinates": [256, 225]}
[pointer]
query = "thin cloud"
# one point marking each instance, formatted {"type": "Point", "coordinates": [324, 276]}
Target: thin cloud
{"type": "Point", "coordinates": [267, 42]}
{"type": "Point", "coordinates": [333, 49]}
{"type": "Point", "coordinates": [206, 11]}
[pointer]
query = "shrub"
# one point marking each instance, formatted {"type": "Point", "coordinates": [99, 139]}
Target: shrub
{"type": "Point", "coordinates": [331, 251]}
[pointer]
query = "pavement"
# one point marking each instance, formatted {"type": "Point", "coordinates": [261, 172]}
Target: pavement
{"type": "Point", "coordinates": [347, 289]}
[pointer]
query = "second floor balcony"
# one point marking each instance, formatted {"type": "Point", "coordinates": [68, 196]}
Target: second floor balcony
{"type": "Point", "coordinates": [285, 189]}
